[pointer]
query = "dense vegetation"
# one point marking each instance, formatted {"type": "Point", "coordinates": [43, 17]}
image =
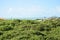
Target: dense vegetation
{"type": "Point", "coordinates": [39, 29]}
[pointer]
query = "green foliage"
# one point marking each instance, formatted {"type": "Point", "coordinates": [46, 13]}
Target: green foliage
{"type": "Point", "coordinates": [41, 29]}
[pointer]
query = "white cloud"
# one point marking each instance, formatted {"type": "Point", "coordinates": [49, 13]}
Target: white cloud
{"type": "Point", "coordinates": [55, 10]}
{"type": "Point", "coordinates": [9, 10]}
{"type": "Point", "coordinates": [32, 11]}
{"type": "Point", "coordinates": [58, 9]}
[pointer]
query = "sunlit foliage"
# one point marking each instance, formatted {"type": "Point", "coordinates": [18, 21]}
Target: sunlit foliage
{"type": "Point", "coordinates": [41, 29]}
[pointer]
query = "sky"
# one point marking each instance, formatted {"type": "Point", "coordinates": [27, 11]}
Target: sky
{"type": "Point", "coordinates": [29, 8]}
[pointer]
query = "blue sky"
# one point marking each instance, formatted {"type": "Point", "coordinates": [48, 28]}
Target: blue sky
{"type": "Point", "coordinates": [29, 8]}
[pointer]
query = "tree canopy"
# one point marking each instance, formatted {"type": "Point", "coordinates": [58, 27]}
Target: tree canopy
{"type": "Point", "coordinates": [45, 29]}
